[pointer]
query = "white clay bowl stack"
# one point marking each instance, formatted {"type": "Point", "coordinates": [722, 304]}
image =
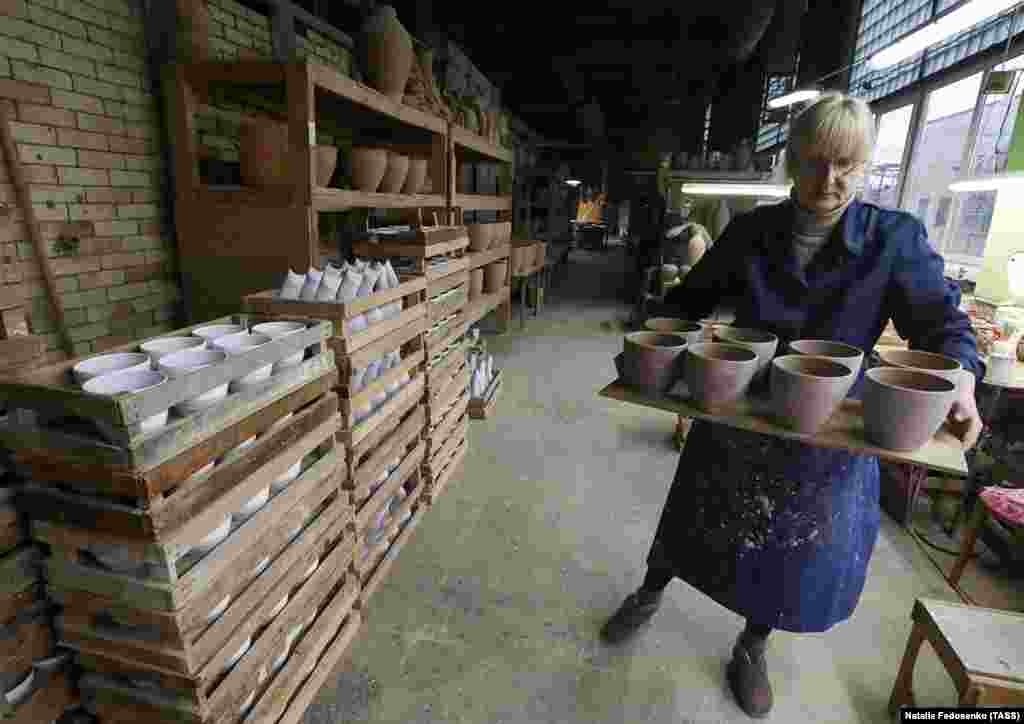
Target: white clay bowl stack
{"type": "Point", "coordinates": [214, 538]}
{"type": "Point", "coordinates": [212, 331]}
{"type": "Point", "coordinates": [253, 504]}
{"type": "Point", "coordinates": [106, 364]}
{"type": "Point", "coordinates": [179, 364]}
{"type": "Point", "coordinates": [158, 348]}
{"type": "Point", "coordinates": [132, 380]}
{"type": "Point", "coordinates": [237, 656]}
{"type": "Point", "coordinates": [282, 329]}
{"type": "Point", "coordinates": [239, 344]}
{"type": "Point", "coordinates": [285, 480]}
{"type": "Point", "coordinates": [20, 692]}
{"type": "Point", "coordinates": [218, 610]}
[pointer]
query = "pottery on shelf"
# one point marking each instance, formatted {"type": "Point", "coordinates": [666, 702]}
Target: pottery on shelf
{"type": "Point", "coordinates": [719, 375]}
{"type": "Point", "coordinates": [326, 159]}
{"type": "Point", "coordinates": [691, 330]}
{"type": "Point", "coordinates": [388, 52]}
{"type": "Point", "coordinates": [807, 390]}
{"type": "Point", "coordinates": [130, 380]}
{"type": "Point", "coordinates": [179, 364]}
{"type": "Point", "coordinates": [479, 236]}
{"type": "Point", "coordinates": [494, 276]}
{"type": "Point", "coordinates": [847, 354]}
{"type": "Point", "coordinates": [211, 332]}
{"type": "Point", "coordinates": [904, 408]}
{"type": "Point", "coordinates": [476, 283]}
{"type": "Point", "coordinates": [763, 343]}
{"type": "Point", "coordinates": [416, 177]}
{"type": "Point", "coordinates": [936, 364]}
{"type": "Point", "coordinates": [159, 348]}
{"type": "Point", "coordinates": [238, 344]}
{"type": "Point", "coordinates": [281, 329]}
{"type": "Point", "coordinates": [652, 361]}
{"type": "Point", "coordinates": [394, 175]}
{"type": "Point", "coordinates": [368, 167]}
{"type": "Point", "coordinates": [107, 363]}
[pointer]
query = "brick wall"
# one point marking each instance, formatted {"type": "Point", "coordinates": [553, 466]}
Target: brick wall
{"type": "Point", "coordinates": [73, 79]}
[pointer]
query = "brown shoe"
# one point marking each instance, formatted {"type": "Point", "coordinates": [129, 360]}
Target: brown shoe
{"type": "Point", "coordinates": [748, 679]}
{"type": "Point", "coordinates": [635, 611]}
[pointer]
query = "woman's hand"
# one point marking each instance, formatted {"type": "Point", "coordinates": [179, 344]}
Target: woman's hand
{"type": "Point", "coordinates": [964, 419]}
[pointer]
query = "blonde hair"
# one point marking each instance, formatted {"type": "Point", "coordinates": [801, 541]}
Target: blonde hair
{"type": "Point", "coordinates": [836, 126]}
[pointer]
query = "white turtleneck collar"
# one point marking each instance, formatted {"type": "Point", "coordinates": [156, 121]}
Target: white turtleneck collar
{"type": "Point", "coordinates": [811, 230]}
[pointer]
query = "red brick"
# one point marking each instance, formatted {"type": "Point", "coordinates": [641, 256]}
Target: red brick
{"type": "Point", "coordinates": [36, 174]}
{"type": "Point", "coordinates": [150, 227]}
{"type": "Point", "coordinates": [99, 245]}
{"type": "Point", "coordinates": [46, 115]}
{"type": "Point", "coordinates": [123, 144]}
{"type": "Point", "coordinates": [53, 229]}
{"type": "Point", "coordinates": [20, 91]}
{"type": "Point", "coordinates": [98, 159]}
{"type": "Point", "coordinates": [145, 273]}
{"type": "Point", "coordinates": [122, 261]}
{"type": "Point", "coordinates": [81, 139]}
{"type": "Point", "coordinates": [100, 124]}
{"type": "Point", "coordinates": [76, 265]}
{"type": "Point", "coordinates": [122, 310]}
{"type": "Point", "coordinates": [97, 280]}
{"type": "Point", "coordinates": [102, 344]}
{"type": "Point", "coordinates": [109, 196]}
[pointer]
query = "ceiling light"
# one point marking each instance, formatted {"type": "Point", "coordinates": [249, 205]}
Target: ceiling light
{"type": "Point", "coordinates": [797, 96]}
{"type": "Point", "coordinates": [736, 189]}
{"type": "Point", "coordinates": [573, 182]}
{"type": "Point", "coordinates": [993, 182]}
{"type": "Point", "coordinates": [967, 15]}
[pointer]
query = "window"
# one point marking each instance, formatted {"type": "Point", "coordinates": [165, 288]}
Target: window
{"type": "Point", "coordinates": [942, 215]}
{"type": "Point", "coordinates": [922, 208]}
{"type": "Point", "coordinates": [881, 183]}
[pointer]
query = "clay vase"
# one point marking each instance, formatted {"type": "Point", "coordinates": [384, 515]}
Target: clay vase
{"type": "Point", "coordinates": [937, 364]}
{"type": "Point", "coordinates": [847, 354]}
{"type": "Point", "coordinates": [263, 153]}
{"type": "Point", "coordinates": [807, 390]}
{"type": "Point", "coordinates": [476, 283]}
{"type": "Point", "coordinates": [652, 361]}
{"type": "Point", "coordinates": [388, 53]}
{"type": "Point", "coordinates": [690, 330]}
{"type": "Point", "coordinates": [904, 408]}
{"type": "Point", "coordinates": [763, 344]}
{"type": "Point", "coordinates": [368, 167]}
{"type": "Point", "coordinates": [417, 176]}
{"type": "Point", "coordinates": [394, 175]}
{"type": "Point", "coordinates": [718, 375]}
{"type": "Point", "coordinates": [326, 160]}
{"type": "Point", "coordinates": [494, 276]}
{"type": "Point", "coordinates": [479, 236]}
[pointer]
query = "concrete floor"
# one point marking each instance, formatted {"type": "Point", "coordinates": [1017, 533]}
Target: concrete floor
{"type": "Point", "coordinates": [492, 611]}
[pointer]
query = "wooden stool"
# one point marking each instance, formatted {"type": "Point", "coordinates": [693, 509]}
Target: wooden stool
{"type": "Point", "coordinates": [1005, 504]}
{"type": "Point", "coordinates": [981, 648]}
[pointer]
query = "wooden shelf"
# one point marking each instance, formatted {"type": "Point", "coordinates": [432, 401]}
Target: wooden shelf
{"type": "Point", "coordinates": [480, 202]}
{"type": "Point", "coordinates": [325, 199]}
{"type": "Point", "coordinates": [471, 147]}
{"type": "Point", "coordinates": [484, 305]}
{"type": "Point", "coordinates": [478, 259]}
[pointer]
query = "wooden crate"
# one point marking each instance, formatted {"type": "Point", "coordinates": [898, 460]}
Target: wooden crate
{"type": "Point", "coordinates": [413, 364]}
{"type": "Point", "coordinates": [480, 408]}
{"type": "Point", "coordinates": [383, 566]}
{"type": "Point", "coordinates": [13, 531]}
{"type": "Point", "coordinates": [51, 394]}
{"type": "Point", "coordinates": [436, 486]}
{"type": "Point", "coordinates": [53, 693]}
{"type": "Point", "coordinates": [363, 563]}
{"type": "Point", "coordinates": [151, 474]}
{"type": "Point", "coordinates": [410, 394]}
{"type": "Point", "coordinates": [183, 641]}
{"type": "Point", "coordinates": [445, 333]}
{"type": "Point", "coordinates": [407, 339]}
{"type": "Point", "coordinates": [438, 404]}
{"type": "Point", "coordinates": [371, 458]}
{"type": "Point", "coordinates": [437, 254]}
{"type": "Point", "coordinates": [443, 366]}
{"type": "Point", "coordinates": [439, 432]}
{"type": "Point", "coordinates": [455, 437]}
{"type": "Point", "coordinates": [411, 292]}
{"type": "Point", "coordinates": [447, 296]}
{"type": "Point", "coordinates": [371, 506]}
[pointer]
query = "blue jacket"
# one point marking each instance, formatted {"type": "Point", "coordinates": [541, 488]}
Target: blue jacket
{"type": "Point", "coordinates": [877, 266]}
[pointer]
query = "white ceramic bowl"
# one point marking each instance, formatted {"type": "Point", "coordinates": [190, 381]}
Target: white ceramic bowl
{"type": "Point", "coordinates": [105, 364]}
{"type": "Point", "coordinates": [213, 331]}
{"type": "Point", "coordinates": [130, 380]}
{"type": "Point", "coordinates": [179, 364]}
{"type": "Point", "coordinates": [242, 650]}
{"type": "Point", "coordinates": [285, 480]}
{"type": "Point", "coordinates": [215, 537]}
{"type": "Point", "coordinates": [19, 693]}
{"type": "Point", "coordinates": [157, 348]}
{"type": "Point", "coordinates": [218, 610]}
{"type": "Point", "coordinates": [281, 329]}
{"type": "Point", "coordinates": [253, 504]}
{"type": "Point", "coordinates": [261, 566]}
{"type": "Point", "coordinates": [238, 344]}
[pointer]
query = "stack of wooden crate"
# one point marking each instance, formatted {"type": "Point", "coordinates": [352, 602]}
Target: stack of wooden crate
{"type": "Point", "coordinates": [382, 422]}
{"type": "Point", "coordinates": [199, 579]}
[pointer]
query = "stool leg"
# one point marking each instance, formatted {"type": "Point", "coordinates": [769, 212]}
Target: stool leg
{"type": "Point", "coordinates": [978, 517]}
{"type": "Point", "coordinates": [903, 689]}
{"type": "Point", "coordinates": [971, 696]}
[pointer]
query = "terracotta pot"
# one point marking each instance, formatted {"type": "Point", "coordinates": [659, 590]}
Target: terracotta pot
{"type": "Point", "coordinates": [691, 330]}
{"type": "Point", "coordinates": [368, 167]}
{"type": "Point", "coordinates": [807, 390]}
{"type": "Point", "coordinates": [904, 408]}
{"type": "Point", "coordinates": [263, 153]}
{"type": "Point", "coordinates": [936, 364]}
{"type": "Point", "coordinates": [763, 343]}
{"type": "Point", "coordinates": [388, 53]}
{"type": "Point", "coordinates": [394, 176]}
{"type": "Point", "coordinates": [479, 236]}
{"type": "Point", "coordinates": [417, 176]}
{"type": "Point", "coordinates": [494, 276]}
{"type": "Point", "coordinates": [652, 361]}
{"type": "Point", "coordinates": [476, 283]}
{"type": "Point", "coordinates": [847, 354]}
{"type": "Point", "coordinates": [326, 160]}
{"type": "Point", "coordinates": [719, 375]}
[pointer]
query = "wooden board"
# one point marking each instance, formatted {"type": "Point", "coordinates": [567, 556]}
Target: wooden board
{"type": "Point", "coordinates": [438, 405]}
{"type": "Point", "coordinates": [330, 199]}
{"type": "Point", "coordinates": [368, 510]}
{"type": "Point", "coordinates": [453, 439]}
{"type": "Point", "coordinates": [437, 486]}
{"type": "Point", "coordinates": [349, 343]}
{"type": "Point", "coordinates": [382, 249]}
{"type": "Point", "coordinates": [384, 567]}
{"type": "Point", "coordinates": [437, 273]}
{"type": "Point", "coordinates": [407, 339]}
{"type": "Point", "coordinates": [479, 259]}
{"type": "Point", "coordinates": [368, 468]}
{"type": "Point", "coordinates": [325, 667]}
{"type": "Point", "coordinates": [412, 365]}
{"type": "Point", "coordinates": [446, 366]}
{"type": "Point", "coordinates": [481, 408]}
{"type": "Point", "coordinates": [481, 202]}
{"type": "Point", "coordinates": [844, 431]}
{"type": "Point", "coordinates": [986, 641]}
{"type": "Point", "coordinates": [445, 334]}
{"type": "Point", "coordinates": [411, 392]}
{"type": "Point", "coordinates": [438, 433]}
{"type": "Point", "coordinates": [419, 234]}
{"type": "Point", "coordinates": [470, 146]}
{"type": "Point", "coordinates": [483, 305]}
{"type": "Point", "coordinates": [391, 526]}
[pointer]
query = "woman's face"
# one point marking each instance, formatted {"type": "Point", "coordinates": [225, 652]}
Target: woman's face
{"type": "Point", "coordinates": [824, 184]}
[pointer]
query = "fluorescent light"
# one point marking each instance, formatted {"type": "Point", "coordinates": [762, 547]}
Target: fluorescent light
{"type": "Point", "coordinates": [992, 182]}
{"type": "Point", "coordinates": [797, 96]}
{"type": "Point", "coordinates": [573, 182]}
{"type": "Point", "coordinates": [735, 189]}
{"type": "Point", "coordinates": [967, 15]}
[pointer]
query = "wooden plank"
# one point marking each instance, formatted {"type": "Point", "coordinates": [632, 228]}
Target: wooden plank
{"type": "Point", "coordinates": [437, 272]}
{"type": "Point", "coordinates": [346, 345]}
{"type": "Point", "coordinates": [399, 339]}
{"type": "Point", "coordinates": [844, 431]}
{"type": "Point", "coordinates": [482, 408]}
{"type": "Point", "coordinates": [413, 390]}
{"type": "Point", "coordinates": [485, 304]}
{"type": "Point", "coordinates": [436, 487]}
{"type": "Point", "coordinates": [439, 404]}
{"type": "Point", "coordinates": [388, 531]}
{"type": "Point", "coordinates": [410, 365]}
{"type": "Point", "coordinates": [395, 446]}
{"type": "Point", "coordinates": [478, 259]}
{"type": "Point", "coordinates": [382, 249]}
{"type": "Point", "coordinates": [267, 303]}
{"type": "Point", "coordinates": [248, 72]}
{"type": "Point", "coordinates": [480, 202]}
{"type": "Point", "coordinates": [21, 350]}
{"type": "Point", "coordinates": [357, 455]}
{"type": "Point", "coordinates": [470, 146]}
{"type": "Point", "coordinates": [369, 510]}
{"type": "Point", "coordinates": [384, 568]}
{"type": "Point", "coordinates": [447, 366]}
{"type": "Point", "coordinates": [455, 436]}
{"type": "Point", "coordinates": [445, 334]}
{"type": "Point", "coordinates": [330, 199]}
{"type": "Point", "coordinates": [11, 296]}
{"type": "Point", "coordinates": [325, 667]}
{"type": "Point", "coordinates": [301, 104]}
{"type": "Point", "coordinates": [438, 432]}
{"type": "Point", "coordinates": [985, 640]}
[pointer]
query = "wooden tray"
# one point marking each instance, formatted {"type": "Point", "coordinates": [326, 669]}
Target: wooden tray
{"type": "Point", "coordinates": [438, 433]}
{"type": "Point", "coordinates": [845, 431]}
{"type": "Point", "coordinates": [454, 438]}
{"type": "Point", "coordinates": [420, 251]}
{"type": "Point", "coordinates": [480, 408]}
{"type": "Point", "coordinates": [437, 486]}
{"type": "Point", "coordinates": [419, 235]}
{"type": "Point", "coordinates": [439, 404]}
{"type": "Point", "coordinates": [407, 396]}
{"type": "Point", "coordinates": [383, 568]}
{"type": "Point", "coordinates": [441, 306]}
{"type": "Point", "coordinates": [392, 524]}
{"type": "Point", "coordinates": [412, 364]}
{"type": "Point", "coordinates": [51, 392]}
{"type": "Point", "coordinates": [368, 467]}
{"type": "Point", "coordinates": [407, 339]}
{"type": "Point", "coordinates": [368, 508]}
{"type": "Point", "coordinates": [441, 376]}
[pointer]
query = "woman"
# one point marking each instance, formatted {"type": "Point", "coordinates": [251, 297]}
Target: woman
{"type": "Point", "coordinates": [778, 531]}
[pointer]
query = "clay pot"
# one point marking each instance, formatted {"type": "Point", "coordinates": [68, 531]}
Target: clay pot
{"type": "Point", "coordinates": [394, 175]}
{"type": "Point", "coordinates": [263, 153]}
{"type": "Point", "coordinates": [763, 343]}
{"type": "Point", "coordinates": [691, 330]}
{"type": "Point", "coordinates": [479, 236]}
{"type": "Point", "coordinates": [417, 176]}
{"type": "Point", "coordinates": [937, 364]}
{"type": "Point", "coordinates": [388, 53]}
{"type": "Point", "coordinates": [904, 408]}
{"type": "Point", "coordinates": [494, 276]}
{"type": "Point", "coordinates": [652, 361]}
{"type": "Point", "coordinates": [476, 283]}
{"type": "Point", "coordinates": [847, 354]}
{"type": "Point", "coordinates": [718, 375]}
{"type": "Point", "coordinates": [807, 390]}
{"type": "Point", "coordinates": [326, 160]}
{"type": "Point", "coordinates": [368, 167]}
